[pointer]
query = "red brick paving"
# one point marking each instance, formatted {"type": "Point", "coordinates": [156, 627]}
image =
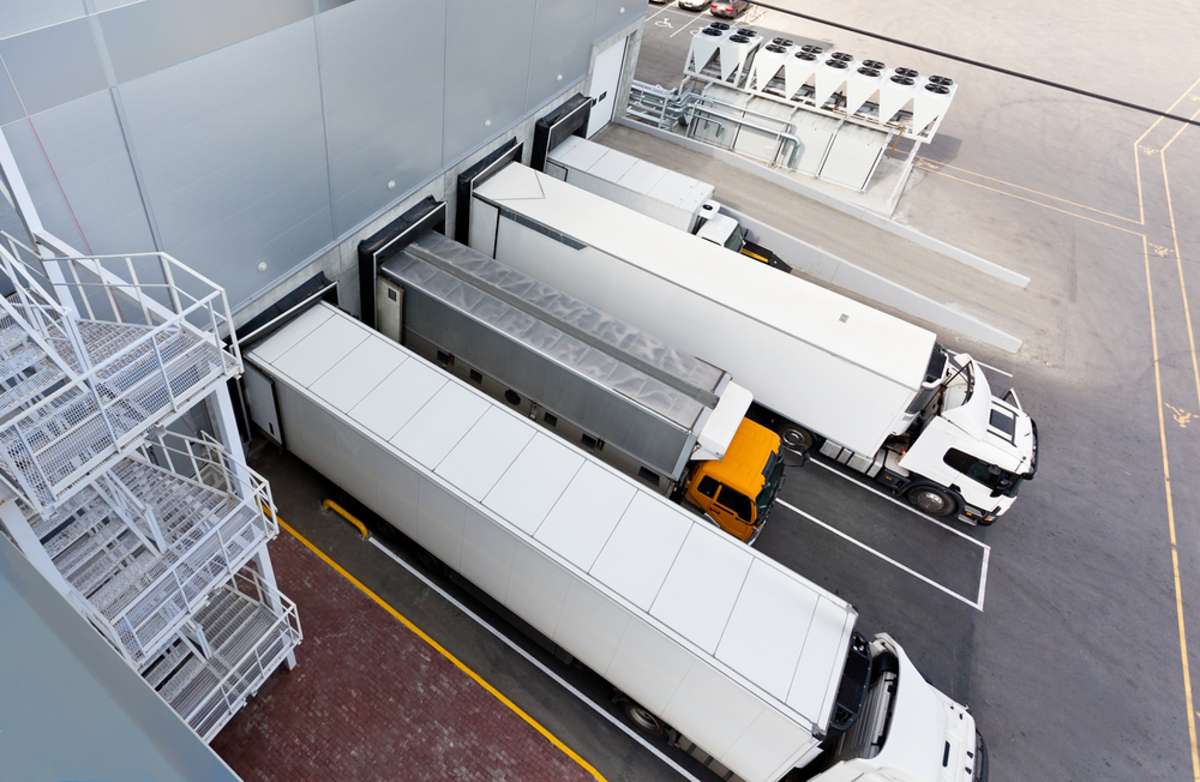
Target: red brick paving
{"type": "Point", "coordinates": [370, 701]}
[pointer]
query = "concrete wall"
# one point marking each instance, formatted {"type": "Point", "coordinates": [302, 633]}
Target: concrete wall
{"type": "Point", "coordinates": [277, 132]}
{"type": "Point", "coordinates": [74, 710]}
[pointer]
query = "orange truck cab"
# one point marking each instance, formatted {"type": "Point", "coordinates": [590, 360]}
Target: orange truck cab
{"type": "Point", "coordinates": [736, 491]}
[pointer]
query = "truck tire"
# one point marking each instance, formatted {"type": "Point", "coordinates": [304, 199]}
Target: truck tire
{"type": "Point", "coordinates": [931, 499]}
{"type": "Point", "coordinates": [797, 438]}
{"type": "Point", "coordinates": [642, 719]}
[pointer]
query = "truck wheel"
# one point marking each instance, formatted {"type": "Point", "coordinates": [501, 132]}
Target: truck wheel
{"type": "Point", "coordinates": [932, 499]}
{"type": "Point", "coordinates": [797, 438]}
{"type": "Point", "coordinates": [641, 719]}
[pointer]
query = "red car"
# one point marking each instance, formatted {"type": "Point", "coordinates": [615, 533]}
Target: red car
{"type": "Point", "coordinates": [728, 8]}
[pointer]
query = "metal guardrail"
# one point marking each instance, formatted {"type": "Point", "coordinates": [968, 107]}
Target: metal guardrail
{"type": "Point", "coordinates": [200, 553]}
{"type": "Point", "coordinates": [244, 676]}
{"type": "Point", "coordinates": [137, 349]}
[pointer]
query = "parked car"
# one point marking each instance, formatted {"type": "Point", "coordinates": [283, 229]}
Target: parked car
{"type": "Point", "coordinates": [727, 8]}
{"type": "Point", "coordinates": [694, 5]}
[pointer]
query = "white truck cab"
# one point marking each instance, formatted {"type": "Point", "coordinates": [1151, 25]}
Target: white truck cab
{"type": "Point", "coordinates": [908, 731]}
{"type": "Point", "coordinates": [971, 442]}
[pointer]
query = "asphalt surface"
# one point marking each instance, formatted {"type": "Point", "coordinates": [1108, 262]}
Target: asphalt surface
{"type": "Point", "coordinates": [1074, 667]}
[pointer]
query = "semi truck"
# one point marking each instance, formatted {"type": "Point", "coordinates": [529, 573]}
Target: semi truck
{"type": "Point", "coordinates": [668, 196]}
{"type": "Point", "coordinates": [867, 390]}
{"type": "Point", "coordinates": [673, 421]}
{"type": "Point", "coordinates": [754, 670]}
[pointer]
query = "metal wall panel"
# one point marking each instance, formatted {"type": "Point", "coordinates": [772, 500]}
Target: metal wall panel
{"type": "Point", "coordinates": [94, 172]}
{"type": "Point", "coordinates": [562, 46]}
{"type": "Point", "coordinates": [54, 65]}
{"type": "Point", "coordinates": [10, 104]}
{"type": "Point", "coordinates": [383, 101]}
{"type": "Point", "coordinates": [487, 69]}
{"type": "Point", "coordinates": [232, 155]}
{"type": "Point", "coordinates": [39, 180]}
{"type": "Point", "coordinates": [149, 36]}
{"type": "Point", "coordinates": [20, 16]}
{"type": "Point", "coordinates": [615, 15]}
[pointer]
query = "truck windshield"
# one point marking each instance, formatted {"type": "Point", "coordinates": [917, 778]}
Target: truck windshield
{"type": "Point", "coordinates": [999, 480]}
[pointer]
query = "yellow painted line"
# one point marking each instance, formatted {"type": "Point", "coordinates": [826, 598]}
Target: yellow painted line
{"type": "Point", "coordinates": [1137, 163]}
{"type": "Point", "coordinates": [1166, 464]}
{"type": "Point", "coordinates": [1006, 183]}
{"type": "Point", "coordinates": [443, 651]}
{"type": "Point", "coordinates": [328, 504]}
{"type": "Point", "coordinates": [1035, 203]}
{"type": "Point", "coordinates": [1187, 310]}
{"type": "Point", "coordinates": [1187, 314]}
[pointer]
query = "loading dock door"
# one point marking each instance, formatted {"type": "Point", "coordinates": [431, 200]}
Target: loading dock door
{"type": "Point", "coordinates": [853, 156]}
{"type": "Point", "coordinates": [606, 78]}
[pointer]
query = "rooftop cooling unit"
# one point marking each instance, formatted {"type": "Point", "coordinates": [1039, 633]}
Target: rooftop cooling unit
{"type": "Point", "coordinates": [832, 75]}
{"type": "Point", "coordinates": [768, 73]}
{"type": "Point", "coordinates": [863, 86]}
{"type": "Point", "coordinates": [801, 68]}
{"type": "Point", "coordinates": [721, 53]}
{"type": "Point", "coordinates": [896, 91]}
{"type": "Point", "coordinates": [930, 102]}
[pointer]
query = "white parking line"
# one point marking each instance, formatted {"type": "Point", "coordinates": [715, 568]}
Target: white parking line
{"type": "Point", "coordinates": [977, 603]}
{"type": "Point", "coordinates": [535, 662]}
{"type": "Point", "coordinates": [666, 7]}
{"type": "Point", "coordinates": [997, 370]}
{"type": "Point", "coordinates": [895, 501]}
{"type": "Point", "coordinates": [690, 22]}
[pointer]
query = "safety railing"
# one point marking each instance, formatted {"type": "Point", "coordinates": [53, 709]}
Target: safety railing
{"type": "Point", "coordinates": [273, 630]}
{"type": "Point", "coordinates": [145, 346]}
{"type": "Point", "coordinates": [210, 531]}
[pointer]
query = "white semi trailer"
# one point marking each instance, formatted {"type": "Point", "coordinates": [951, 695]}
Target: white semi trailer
{"type": "Point", "coordinates": [668, 196]}
{"type": "Point", "coordinates": [736, 658]}
{"type": "Point", "coordinates": [871, 391]}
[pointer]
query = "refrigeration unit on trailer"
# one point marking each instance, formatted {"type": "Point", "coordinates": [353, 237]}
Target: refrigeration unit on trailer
{"type": "Point", "coordinates": [745, 664]}
{"type": "Point", "coordinates": [868, 390]}
{"type": "Point", "coordinates": [667, 196]}
{"type": "Point", "coordinates": [669, 419]}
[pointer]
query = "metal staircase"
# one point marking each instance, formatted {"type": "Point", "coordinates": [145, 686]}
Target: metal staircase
{"type": "Point", "coordinates": [157, 538]}
{"type": "Point", "coordinates": [246, 639]}
{"type": "Point", "coordinates": [87, 372]}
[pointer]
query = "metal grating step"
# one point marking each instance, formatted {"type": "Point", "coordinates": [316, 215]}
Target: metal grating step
{"type": "Point", "coordinates": [167, 663]}
{"type": "Point", "coordinates": [121, 584]}
{"type": "Point", "coordinates": [96, 566]}
{"type": "Point", "coordinates": [188, 685]}
{"type": "Point", "coordinates": [219, 611]}
{"type": "Point", "coordinates": [46, 525]}
{"type": "Point", "coordinates": [91, 521]}
{"type": "Point", "coordinates": [44, 378]}
{"type": "Point", "coordinates": [227, 626]}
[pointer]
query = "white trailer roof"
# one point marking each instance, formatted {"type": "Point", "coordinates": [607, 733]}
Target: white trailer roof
{"type": "Point", "coordinates": [627, 171]}
{"type": "Point", "coordinates": [754, 620]}
{"type": "Point", "coordinates": [862, 335]}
